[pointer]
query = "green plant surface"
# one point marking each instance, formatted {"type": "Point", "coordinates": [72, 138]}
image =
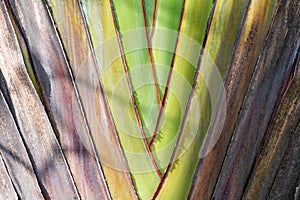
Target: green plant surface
{"type": "Point", "coordinates": [150, 9]}
{"type": "Point", "coordinates": [181, 77]}
{"type": "Point", "coordinates": [133, 44]}
{"type": "Point", "coordinates": [168, 17]}
{"type": "Point", "coordinates": [119, 97]}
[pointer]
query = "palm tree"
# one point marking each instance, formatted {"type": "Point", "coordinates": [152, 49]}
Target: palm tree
{"type": "Point", "coordinates": [149, 99]}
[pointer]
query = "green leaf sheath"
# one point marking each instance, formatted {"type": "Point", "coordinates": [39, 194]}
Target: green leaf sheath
{"type": "Point", "coordinates": [219, 41]}
{"type": "Point", "coordinates": [69, 20]}
{"type": "Point", "coordinates": [168, 16]}
{"type": "Point", "coordinates": [106, 42]}
{"type": "Point", "coordinates": [149, 12]}
{"type": "Point", "coordinates": [150, 9]}
{"type": "Point", "coordinates": [133, 35]}
{"type": "Point", "coordinates": [190, 39]}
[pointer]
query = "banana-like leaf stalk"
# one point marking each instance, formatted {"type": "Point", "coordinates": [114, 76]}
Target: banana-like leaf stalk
{"type": "Point", "coordinates": [45, 152]}
{"type": "Point", "coordinates": [146, 97]}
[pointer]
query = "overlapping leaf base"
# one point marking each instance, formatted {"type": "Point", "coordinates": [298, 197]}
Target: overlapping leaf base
{"type": "Point", "coordinates": [149, 99]}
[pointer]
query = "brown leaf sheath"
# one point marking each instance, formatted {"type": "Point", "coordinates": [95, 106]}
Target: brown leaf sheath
{"type": "Point", "coordinates": [288, 177]}
{"type": "Point", "coordinates": [61, 99]}
{"type": "Point", "coordinates": [273, 72]}
{"type": "Point", "coordinates": [15, 156]}
{"type": "Point", "coordinates": [278, 137]}
{"type": "Point", "coordinates": [75, 38]}
{"type": "Point", "coordinates": [43, 148]}
{"type": "Point", "coordinates": [7, 190]}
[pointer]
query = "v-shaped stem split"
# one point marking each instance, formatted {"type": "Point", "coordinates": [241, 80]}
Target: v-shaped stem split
{"type": "Point", "coordinates": [128, 80]}
{"type": "Point", "coordinates": [152, 140]}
